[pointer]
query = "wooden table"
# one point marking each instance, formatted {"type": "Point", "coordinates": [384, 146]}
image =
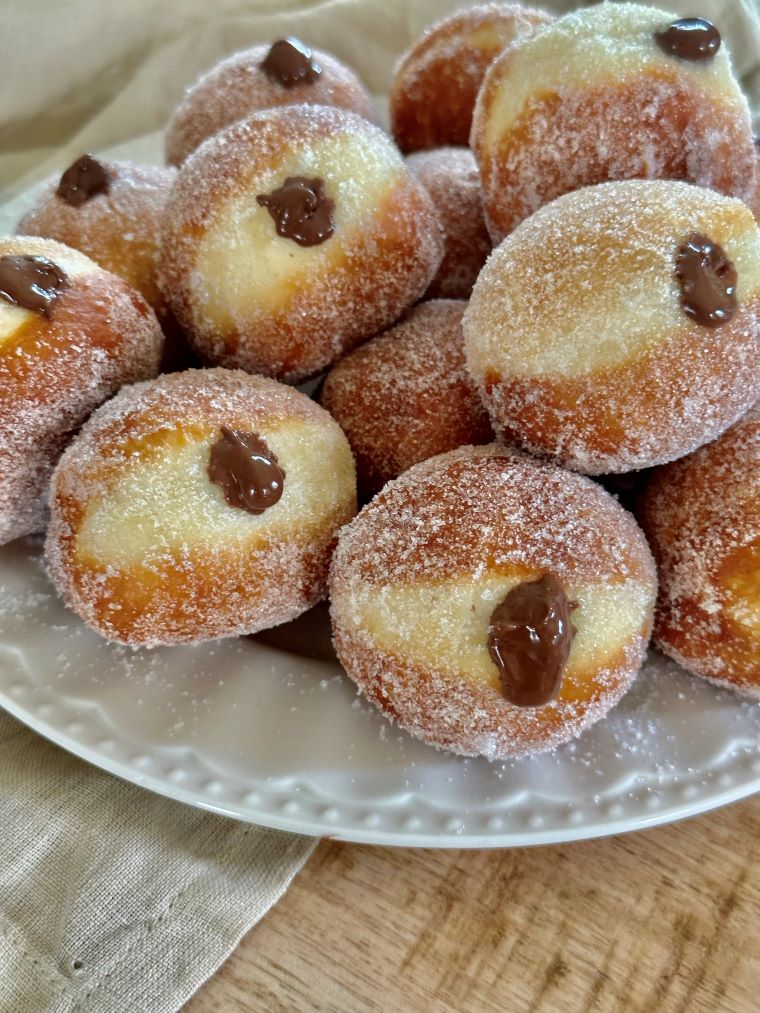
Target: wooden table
{"type": "Point", "coordinates": [664, 920]}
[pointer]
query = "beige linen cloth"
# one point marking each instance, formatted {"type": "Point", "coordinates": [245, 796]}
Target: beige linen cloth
{"type": "Point", "coordinates": [113, 900]}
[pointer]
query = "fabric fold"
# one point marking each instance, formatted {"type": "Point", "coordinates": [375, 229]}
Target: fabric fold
{"type": "Point", "coordinates": [112, 898]}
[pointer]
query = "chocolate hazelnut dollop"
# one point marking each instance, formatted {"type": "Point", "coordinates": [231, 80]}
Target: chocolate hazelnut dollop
{"type": "Point", "coordinates": [246, 471]}
{"type": "Point", "coordinates": [300, 210]}
{"type": "Point", "coordinates": [529, 640]}
{"type": "Point", "coordinates": [689, 39]}
{"type": "Point", "coordinates": [33, 283]}
{"type": "Point", "coordinates": [82, 180]}
{"type": "Point", "coordinates": [707, 279]}
{"type": "Point", "coordinates": [290, 62]}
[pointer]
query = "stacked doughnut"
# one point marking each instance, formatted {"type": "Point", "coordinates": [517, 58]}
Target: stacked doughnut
{"type": "Point", "coordinates": [619, 91]}
{"type": "Point", "coordinates": [71, 334]}
{"type": "Point", "coordinates": [491, 596]}
{"type": "Point", "coordinates": [702, 519]}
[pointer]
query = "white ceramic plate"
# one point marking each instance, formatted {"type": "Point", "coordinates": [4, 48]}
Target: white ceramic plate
{"type": "Point", "coordinates": [277, 737]}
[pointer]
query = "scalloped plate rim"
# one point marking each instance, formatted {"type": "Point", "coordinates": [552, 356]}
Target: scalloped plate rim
{"type": "Point", "coordinates": [509, 839]}
{"type": "Point", "coordinates": [406, 810]}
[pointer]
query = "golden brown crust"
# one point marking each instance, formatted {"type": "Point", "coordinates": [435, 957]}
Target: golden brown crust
{"type": "Point", "coordinates": [640, 413]}
{"type": "Point", "coordinates": [437, 80]}
{"type": "Point", "coordinates": [580, 344]}
{"type": "Point", "coordinates": [448, 527]}
{"type": "Point", "coordinates": [406, 395]}
{"type": "Point", "coordinates": [378, 265]}
{"type": "Point", "coordinates": [467, 490]}
{"type": "Point", "coordinates": [460, 717]}
{"type": "Point", "coordinates": [55, 371]}
{"type": "Point", "coordinates": [451, 177]}
{"type": "Point", "coordinates": [119, 229]}
{"type": "Point", "coordinates": [592, 98]}
{"type": "Point", "coordinates": [260, 572]}
{"type": "Point", "coordinates": [702, 517]}
{"type": "Point", "coordinates": [523, 172]}
{"type": "Point", "coordinates": [237, 87]}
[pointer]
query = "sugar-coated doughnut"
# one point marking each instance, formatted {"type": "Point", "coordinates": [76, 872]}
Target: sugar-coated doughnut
{"type": "Point", "coordinates": [491, 604]}
{"type": "Point", "coordinates": [110, 210]}
{"type": "Point", "coordinates": [619, 326]}
{"type": "Point", "coordinates": [702, 516]}
{"type": "Point", "coordinates": [616, 91]}
{"type": "Point", "coordinates": [284, 73]}
{"type": "Point", "coordinates": [436, 81]}
{"type": "Point", "coordinates": [70, 335]}
{"type": "Point", "coordinates": [406, 395]}
{"type": "Point", "coordinates": [450, 176]}
{"type": "Point", "coordinates": [291, 236]}
{"type": "Point", "coordinates": [203, 504]}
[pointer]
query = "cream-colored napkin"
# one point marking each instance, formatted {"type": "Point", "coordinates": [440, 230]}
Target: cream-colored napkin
{"type": "Point", "coordinates": [113, 900]}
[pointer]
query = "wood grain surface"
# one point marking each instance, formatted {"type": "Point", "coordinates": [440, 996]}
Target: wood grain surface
{"type": "Point", "coordinates": [665, 920]}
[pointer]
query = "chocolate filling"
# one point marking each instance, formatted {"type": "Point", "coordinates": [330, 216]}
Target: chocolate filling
{"type": "Point", "coordinates": [290, 62]}
{"type": "Point", "coordinates": [246, 471]}
{"type": "Point", "coordinates": [708, 281]}
{"type": "Point", "coordinates": [689, 39]}
{"type": "Point", "coordinates": [33, 283]}
{"type": "Point", "coordinates": [83, 179]}
{"type": "Point", "coordinates": [300, 210]}
{"type": "Point", "coordinates": [529, 640]}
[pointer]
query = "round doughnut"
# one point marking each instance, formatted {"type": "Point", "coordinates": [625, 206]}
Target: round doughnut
{"type": "Point", "coordinates": [491, 604]}
{"type": "Point", "coordinates": [291, 236]}
{"type": "Point", "coordinates": [702, 516]}
{"type": "Point", "coordinates": [607, 93]}
{"type": "Point", "coordinates": [202, 504]}
{"type": "Point", "coordinates": [111, 211]}
{"type": "Point", "coordinates": [436, 81]}
{"type": "Point", "coordinates": [285, 73]}
{"type": "Point", "coordinates": [618, 327]}
{"type": "Point", "coordinates": [406, 395]}
{"type": "Point", "coordinates": [71, 334]}
{"type": "Point", "coordinates": [450, 176]}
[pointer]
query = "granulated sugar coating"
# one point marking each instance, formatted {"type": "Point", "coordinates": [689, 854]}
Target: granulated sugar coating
{"type": "Point", "coordinates": [54, 370]}
{"type": "Point", "coordinates": [120, 228]}
{"type": "Point", "coordinates": [146, 549]}
{"type": "Point", "coordinates": [451, 177]}
{"type": "Point", "coordinates": [238, 87]}
{"type": "Point", "coordinates": [312, 303]}
{"type": "Point", "coordinates": [417, 574]}
{"type": "Point", "coordinates": [406, 395]}
{"type": "Point", "coordinates": [578, 340]}
{"type": "Point", "coordinates": [436, 81]}
{"type": "Point", "coordinates": [592, 97]}
{"type": "Point", "coordinates": [702, 515]}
